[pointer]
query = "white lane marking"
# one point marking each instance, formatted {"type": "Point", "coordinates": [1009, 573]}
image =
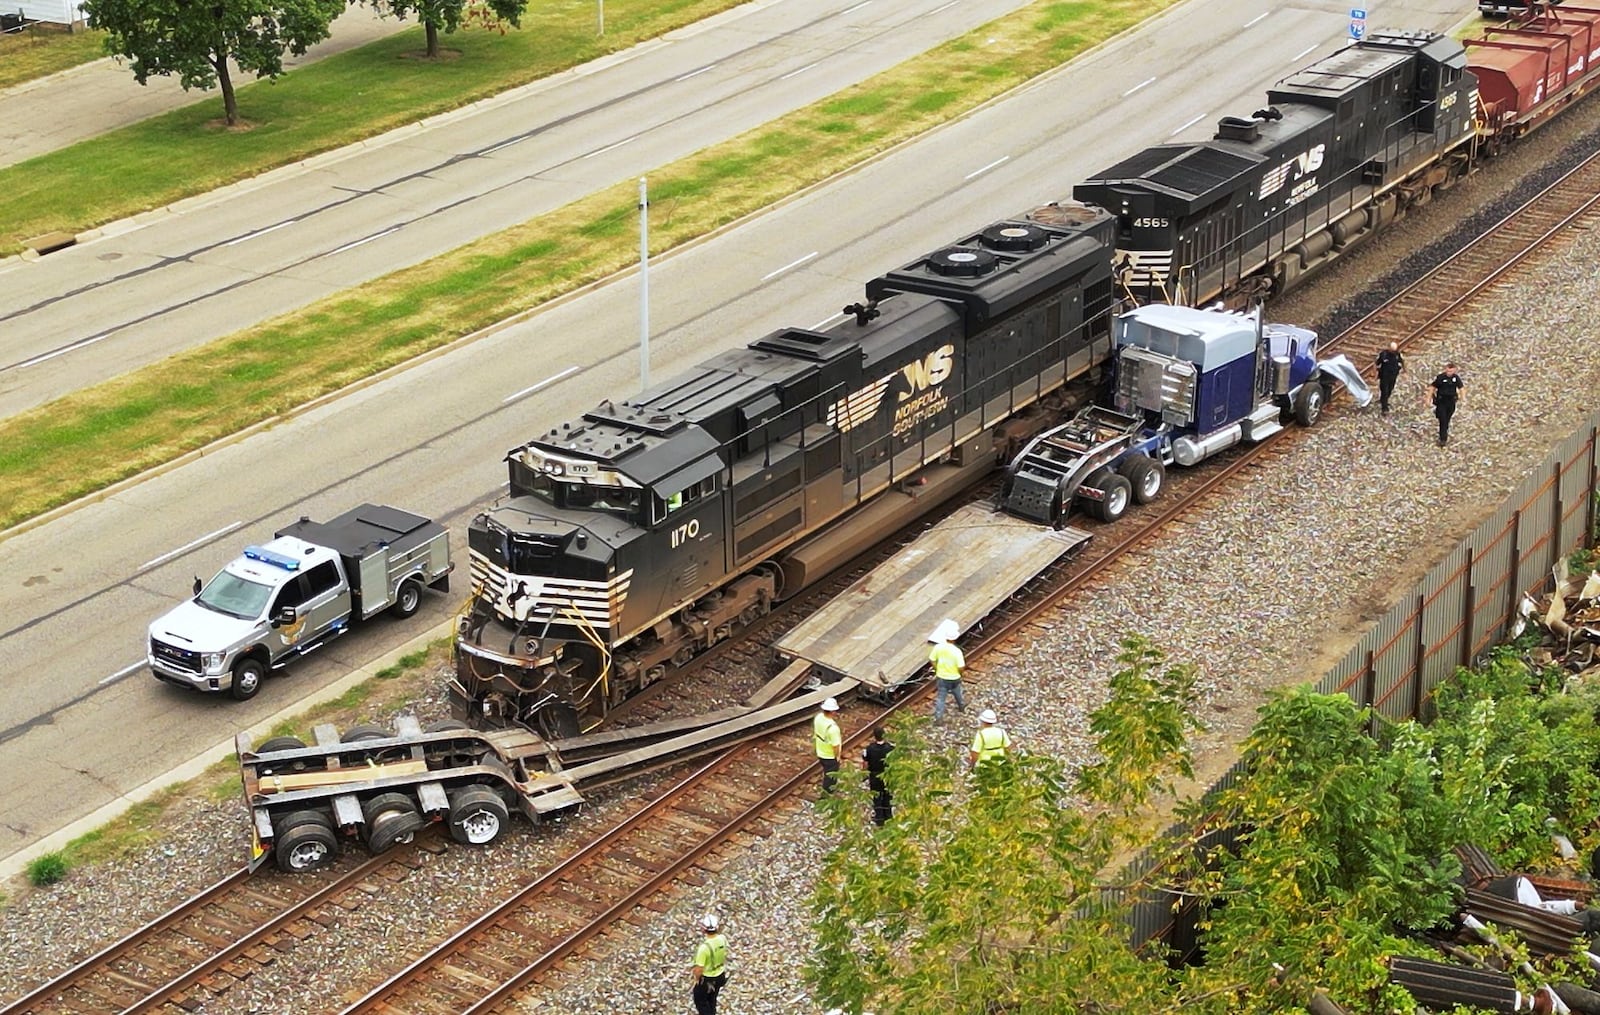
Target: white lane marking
{"type": "Point", "coordinates": [74, 347]}
{"type": "Point", "coordinates": [1257, 18]}
{"type": "Point", "coordinates": [802, 70]}
{"type": "Point", "coordinates": [792, 264]}
{"type": "Point", "coordinates": [1146, 81]}
{"type": "Point", "coordinates": [530, 389]}
{"type": "Point", "coordinates": [120, 673]}
{"type": "Point", "coordinates": [504, 144]}
{"type": "Point", "coordinates": [368, 239]}
{"type": "Point", "coordinates": [609, 147]}
{"type": "Point", "coordinates": [979, 172]}
{"type": "Point", "coordinates": [260, 232]}
{"type": "Point", "coordinates": [1303, 52]}
{"type": "Point", "coordinates": [186, 547]}
{"type": "Point", "coordinates": [857, 7]}
{"type": "Point", "coordinates": [826, 321]}
{"type": "Point", "coordinates": [946, 7]}
{"type": "Point", "coordinates": [697, 73]}
{"type": "Point", "coordinates": [1185, 125]}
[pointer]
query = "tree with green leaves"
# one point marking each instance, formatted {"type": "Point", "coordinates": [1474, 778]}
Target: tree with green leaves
{"type": "Point", "coordinates": [961, 902]}
{"type": "Point", "coordinates": [196, 41]}
{"type": "Point", "coordinates": [449, 14]}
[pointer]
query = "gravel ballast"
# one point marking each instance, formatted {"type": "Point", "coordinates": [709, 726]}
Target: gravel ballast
{"type": "Point", "coordinates": [1359, 508]}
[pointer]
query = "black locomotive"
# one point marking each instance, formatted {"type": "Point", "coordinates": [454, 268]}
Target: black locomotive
{"type": "Point", "coordinates": [1343, 147]}
{"type": "Point", "coordinates": [650, 529]}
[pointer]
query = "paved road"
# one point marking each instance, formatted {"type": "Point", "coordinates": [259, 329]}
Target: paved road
{"type": "Point", "coordinates": [242, 255]}
{"type": "Point", "coordinates": [96, 97]}
{"type": "Point", "coordinates": [79, 722]}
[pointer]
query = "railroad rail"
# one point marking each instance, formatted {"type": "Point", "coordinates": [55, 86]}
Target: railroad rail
{"type": "Point", "coordinates": [485, 963]}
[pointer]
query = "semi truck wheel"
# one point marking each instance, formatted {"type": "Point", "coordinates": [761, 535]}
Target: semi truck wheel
{"type": "Point", "coordinates": [408, 600]}
{"type": "Point", "coordinates": [1146, 475]}
{"type": "Point", "coordinates": [477, 815]}
{"type": "Point", "coordinates": [1309, 402]}
{"type": "Point", "coordinates": [306, 847]}
{"type": "Point", "coordinates": [247, 677]}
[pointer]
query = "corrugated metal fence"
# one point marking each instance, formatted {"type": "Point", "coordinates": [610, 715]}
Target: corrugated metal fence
{"type": "Point", "coordinates": [1464, 606]}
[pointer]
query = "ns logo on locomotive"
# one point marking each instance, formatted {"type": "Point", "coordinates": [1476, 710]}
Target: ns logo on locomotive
{"type": "Point", "coordinates": [654, 527]}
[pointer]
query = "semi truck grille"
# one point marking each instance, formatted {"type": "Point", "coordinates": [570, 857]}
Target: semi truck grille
{"type": "Point", "coordinates": [180, 657]}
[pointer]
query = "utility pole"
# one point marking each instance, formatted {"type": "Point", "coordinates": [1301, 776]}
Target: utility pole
{"type": "Point", "coordinates": [644, 287]}
{"type": "Point", "coordinates": [601, 8]}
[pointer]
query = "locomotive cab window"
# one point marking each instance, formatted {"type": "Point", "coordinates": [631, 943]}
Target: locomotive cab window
{"type": "Point", "coordinates": [616, 500]}
{"type": "Point", "coordinates": [663, 506]}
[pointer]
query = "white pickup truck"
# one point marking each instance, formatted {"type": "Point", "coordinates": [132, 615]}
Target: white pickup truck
{"type": "Point", "coordinates": [295, 594]}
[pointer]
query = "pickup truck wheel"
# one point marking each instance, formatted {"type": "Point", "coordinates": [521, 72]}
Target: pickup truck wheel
{"type": "Point", "coordinates": [1145, 474]}
{"type": "Point", "coordinates": [408, 600]}
{"type": "Point", "coordinates": [247, 677]}
{"type": "Point", "coordinates": [1309, 402]}
{"type": "Point", "coordinates": [305, 848]}
{"type": "Point", "coordinates": [477, 816]}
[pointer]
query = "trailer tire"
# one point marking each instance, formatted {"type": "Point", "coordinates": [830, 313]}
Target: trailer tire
{"type": "Point", "coordinates": [281, 744]}
{"type": "Point", "coordinates": [477, 816]}
{"type": "Point", "coordinates": [392, 819]}
{"type": "Point", "coordinates": [1309, 402]}
{"type": "Point", "coordinates": [365, 731]}
{"type": "Point", "coordinates": [281, 824]}
{"type": "Point", "coordinates": [1146, 475]}
{"type": "Point", "coordinates": [306, 847]}
{"type": "Point", "coordinates": [1118, 494]}
{"type": "Point", "coordinates": [447, 726]}
{"type": "Point", "coordinates": [248, 673]}
{"type": "Point", "coordinates": [408, 599]}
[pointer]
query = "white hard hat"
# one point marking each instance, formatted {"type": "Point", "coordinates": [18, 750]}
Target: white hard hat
{"type": "Point", "coordinates": [709, 922]}
{"type": "Point", "coordinates": [831, 705]}
{"type": "Point", "coordinates": [987, 715]}
{"type": "Point", "coordinates": [948, 630]}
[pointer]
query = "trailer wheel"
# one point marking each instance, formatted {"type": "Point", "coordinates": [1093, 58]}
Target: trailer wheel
{"type": "Point", "coordinates": [392, 819]}
{"type": "Point", "coordinates": [477, 815]}
{"type": "Point", "coordinates": [306, 847]}
{"type": "Point", "coordinates": [1117, 494]}
{"type": "Point", "coordinates": [247, 677]}
{"type": "Point", "coordinates": [282, 823]}
{"type": "Point", "coordinates": [1146, 475]}
{"type": "Point", "coordinates": [446, 726]}
{"type": "Point", "coordinates": [365, 731]}
{"type": "Point", "coordinates": [1309, 402]}
{"type": "Point", "coordinates": [408, 599]}
{"type": "Point", "coordinates": [281, 744]}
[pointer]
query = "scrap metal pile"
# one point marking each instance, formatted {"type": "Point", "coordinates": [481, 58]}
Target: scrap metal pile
{"type": "Point", "coordinates": [1569, 616]}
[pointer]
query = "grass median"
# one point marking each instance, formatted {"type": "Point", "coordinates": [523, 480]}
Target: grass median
{"type": "Point", "coordinates": [316, 108]}
{"type": "Point", "coordinates": [90, 439]}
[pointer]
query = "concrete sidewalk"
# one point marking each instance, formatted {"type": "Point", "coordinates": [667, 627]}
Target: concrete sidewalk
{"type": "Point", "coordinates": [56, 111]}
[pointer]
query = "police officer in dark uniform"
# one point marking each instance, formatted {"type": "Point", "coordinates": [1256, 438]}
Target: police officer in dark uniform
{"type": "Point", "coordinates": [1446, 395]}
{"type": "Point", "coordinates": [876, 757]}
{"type": "Point", "coordinates": [1390, 365]}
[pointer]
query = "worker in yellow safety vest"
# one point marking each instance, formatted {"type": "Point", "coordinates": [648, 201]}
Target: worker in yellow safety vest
{"type": "Point", "coordinates": [948, 662]}
{"type": "Point", "coordinates": [825, 736]}
{"type": "Point", "coordinates": [990, 742]}
{"type": "Point", "coordinates": [710, 967]}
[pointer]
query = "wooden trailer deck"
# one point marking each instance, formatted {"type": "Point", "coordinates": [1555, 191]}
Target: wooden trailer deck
{"type": "Point", "coordinates": [962, 568]}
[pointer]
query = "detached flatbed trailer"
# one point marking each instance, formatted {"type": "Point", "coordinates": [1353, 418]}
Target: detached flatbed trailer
{"type": "Point", "coordinates": [378, 787]}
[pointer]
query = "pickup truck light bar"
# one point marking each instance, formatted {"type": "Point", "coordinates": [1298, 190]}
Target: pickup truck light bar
{"type": "Point", "coordinates": [266, 556]}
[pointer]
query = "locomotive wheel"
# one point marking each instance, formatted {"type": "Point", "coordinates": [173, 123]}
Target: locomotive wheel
{"type": "Point", "coordinates": [1308, 404]}
{"type": "Point", "coordinates": [1117, 495]}
{"type": "Point", "coordinates": [477, 816]}
{"type": "Point", "coordinates": [306, 847]}
{"type": "Point", "coordinates": [1146, 475]}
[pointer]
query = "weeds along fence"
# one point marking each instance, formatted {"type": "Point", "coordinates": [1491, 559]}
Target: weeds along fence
{"type": "Point", "coordinates": [1464, 606]}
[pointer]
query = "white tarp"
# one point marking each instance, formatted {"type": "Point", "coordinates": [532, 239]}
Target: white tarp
{"type": "Point", "coordinates": [1344, 371]}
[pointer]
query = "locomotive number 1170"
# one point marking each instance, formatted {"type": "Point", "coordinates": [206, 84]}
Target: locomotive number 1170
{"type": "Point", "coordinates": [685, 532]}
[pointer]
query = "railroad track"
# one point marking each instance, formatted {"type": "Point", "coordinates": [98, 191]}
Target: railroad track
{"type": "Point", "coordinates": [213, 939]}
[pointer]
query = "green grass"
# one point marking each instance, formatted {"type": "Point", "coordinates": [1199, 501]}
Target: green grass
{"type": "Point", "coordinates": [315, 108]}
{"type": "Point", "coordinates": [41, 50]}
{"type": "Point", "coordinates": [94, 437]}
{"type": "Point", "coordinates": [47, 869]}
